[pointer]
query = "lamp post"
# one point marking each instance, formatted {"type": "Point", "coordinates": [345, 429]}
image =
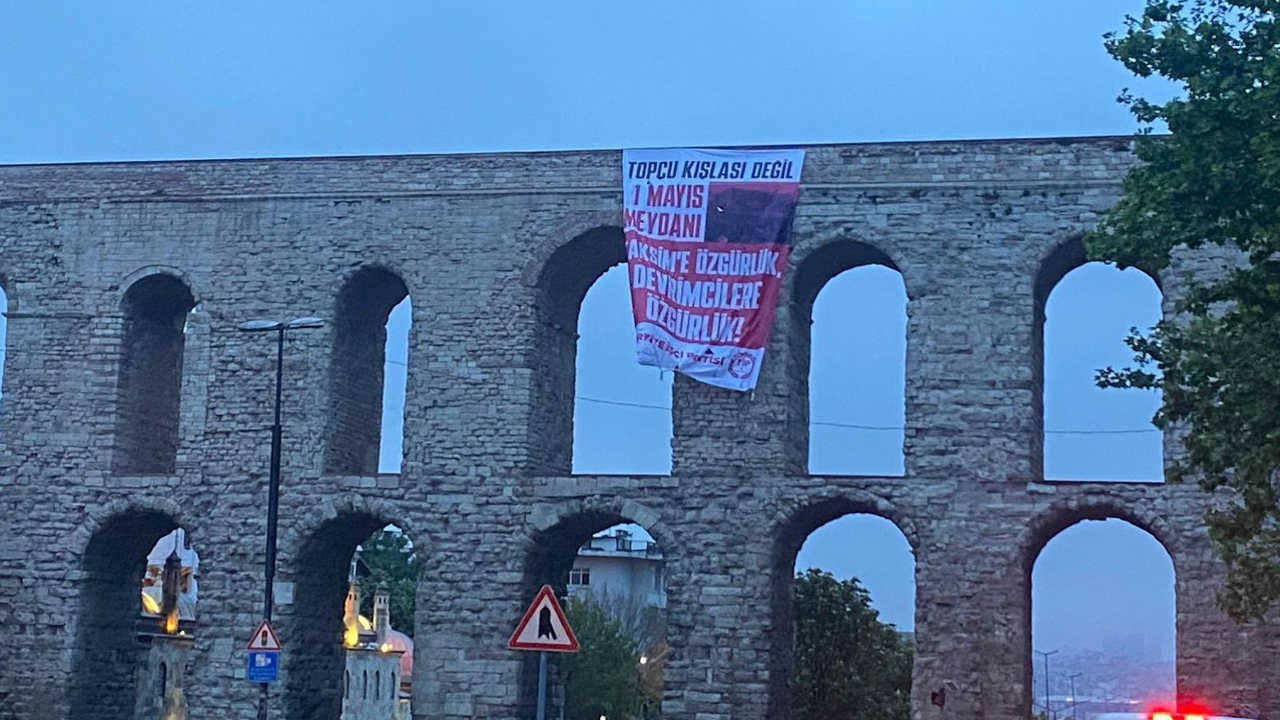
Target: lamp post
{"type": "Point", "coordinates": [1047, 709]}
{"type": "Point", "coordinates": [1072, 678]}
{"type": "Point", "coordinates": [273, 488]}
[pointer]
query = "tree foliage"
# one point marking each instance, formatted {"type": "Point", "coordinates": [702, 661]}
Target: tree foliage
{"type": "Point", "coordinates": [645, 624]}
{"type": "Point", "coordinates": [1214, 180]}
{"type": "Point", "coordinates": [604, 677]}
{"type": "Point", "coordinates": [392, 564]}
{"type": "Point", "coordinates": [848, 664]}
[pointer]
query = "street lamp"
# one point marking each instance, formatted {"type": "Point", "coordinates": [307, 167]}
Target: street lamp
{"type": "Point", "coordinates": [273, 489]}
{"type": "Point", "coordinates": [1072, 678]}
{"type": "Point", "coordinates": [1047, 710]}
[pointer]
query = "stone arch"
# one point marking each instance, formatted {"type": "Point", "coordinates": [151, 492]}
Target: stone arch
{"type": "Point", "coordinates": [356, 377]}
{"type": "Point", "coordinates": [149, 378]}
{"type": "Point", "coordinates": [1059, 516]}
{"type": "Point", "coordinates": [796, 518]}
{"type": "Point", "coordinates": [555, 534]}
{"type": "Point", "coordinates": [816, 268]}
{"type": "Point", "coordinates": [562, 528]}
{"type": "Point", "coordinates": [545, 247]}
{"type": "Point", "coordinates": [1054, 265]}
{"type": "Point", "coordinates": [107, 655]}
{"type": "Point", "coordinates": [561, 284]}
{"type": "Point", "coordinates": [149, 271]}
{"type": "Point", "coordinates": [1063, 257]}
{"type": "Point", "coordinates": [812, 272]}
{"type": "Point", "coordinates": [1049, 522]}
{"type": "Point", "coordinates": [319, 566]}
{"type": "Point", "coordinates": [795, 522]}
{"type": "Point", "coordinates": [100, 516]}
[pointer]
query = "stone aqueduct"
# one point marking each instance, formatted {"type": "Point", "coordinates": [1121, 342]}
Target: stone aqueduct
{"type": "Point", "coordinates": [100, 263]}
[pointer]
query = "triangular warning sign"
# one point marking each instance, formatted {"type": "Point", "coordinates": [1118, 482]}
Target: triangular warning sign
{"type": "Point", "coordinates": [544, 627]}
{"type": "Point", "coordinates": [264, 638]}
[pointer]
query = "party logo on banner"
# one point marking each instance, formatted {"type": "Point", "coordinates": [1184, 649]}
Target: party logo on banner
{"type": "Point", "coordinates": [708, 233]}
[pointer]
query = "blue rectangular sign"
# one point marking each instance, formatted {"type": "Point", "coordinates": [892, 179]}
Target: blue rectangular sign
{"type": "Point", "coordinates": [264, 666]}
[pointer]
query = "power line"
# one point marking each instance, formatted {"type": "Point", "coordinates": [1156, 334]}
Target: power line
{"type": "Point", "coordinates": [621, 403]}
{"type": "Point", "coordinates": [823, 423]}
{"type": "Point", "coordinates": [1131, 431]}
{"type": "Point", "coordinates": [855, 426]}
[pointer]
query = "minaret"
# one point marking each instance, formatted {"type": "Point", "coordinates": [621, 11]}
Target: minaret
{"type": "Point", "coordinates": [351, 615]}
{"type": "Point", "coordinates": [169, 591]}
{"type": "Point", "coordinates": [381, 614]}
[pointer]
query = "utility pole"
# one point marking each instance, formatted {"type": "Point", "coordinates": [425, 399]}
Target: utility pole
{"type": "Point", "coordinates": [1047, 710]}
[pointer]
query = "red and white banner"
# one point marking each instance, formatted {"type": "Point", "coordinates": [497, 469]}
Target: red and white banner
{"type": "Point", "coordinates": [708, 233]}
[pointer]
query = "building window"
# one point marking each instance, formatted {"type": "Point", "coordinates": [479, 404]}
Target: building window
{"type": "Point", "coordinates": [657, 578]}
{"type": "Point", "coordinates": [580, 576]}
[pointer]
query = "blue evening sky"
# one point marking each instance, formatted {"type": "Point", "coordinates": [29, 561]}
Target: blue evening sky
{"type": "Point", "coordinates": [160, 80]}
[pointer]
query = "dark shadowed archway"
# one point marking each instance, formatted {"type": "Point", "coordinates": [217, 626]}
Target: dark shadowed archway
{"type": "Point", "coordinates": [356, 370]}
{"type": "Point", "coordinates": [108, 653]}
{"type": "Point", "coordinates": [149, 383]}
{"type": "Point", "coordinates": [315, 669]}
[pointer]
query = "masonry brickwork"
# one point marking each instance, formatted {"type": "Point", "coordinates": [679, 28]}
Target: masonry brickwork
{"type": "Point", "coordinates": [496, 252]}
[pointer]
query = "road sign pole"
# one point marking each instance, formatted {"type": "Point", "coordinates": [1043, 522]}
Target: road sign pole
{"type": "Point", "coordinates": [550, 632]}
{"type": "Point", "coordinates": [542, 685]}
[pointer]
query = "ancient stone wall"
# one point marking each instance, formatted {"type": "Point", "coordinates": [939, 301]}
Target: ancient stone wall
{"type": "Point", "coordinates": [497, 252]}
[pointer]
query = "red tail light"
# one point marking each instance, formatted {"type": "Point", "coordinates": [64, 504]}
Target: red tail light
{"type": "Point", "coordinates": [1162, 716]}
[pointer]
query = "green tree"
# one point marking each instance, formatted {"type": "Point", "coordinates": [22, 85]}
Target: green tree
{"type": "Point", "coordinates": [389, 556]}
{"type": "Point", "coordinates": [1214, 180]}
{"type": "Point", "coordinates": [848, 664]}
{"type": "Point", "coordinates": [603, 678]}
